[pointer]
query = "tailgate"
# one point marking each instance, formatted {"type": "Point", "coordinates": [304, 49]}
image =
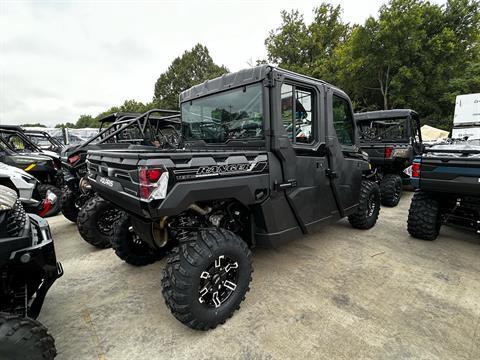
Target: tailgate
{"type": "Point", "coordinates": [451, 175]}
{"type": "Point", "coordinates": [114, 175]}
{"type": "Point", "coordinates": [376, 152]}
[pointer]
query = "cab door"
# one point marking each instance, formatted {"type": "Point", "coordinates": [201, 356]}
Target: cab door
{"type": "Point", "coordinates": [346, 164]}
{"type": "Point", "coordinates": [303, 154]}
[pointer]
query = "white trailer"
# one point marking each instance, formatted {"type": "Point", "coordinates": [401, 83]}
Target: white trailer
{"type": "Point", "coordinates": [466, 119]}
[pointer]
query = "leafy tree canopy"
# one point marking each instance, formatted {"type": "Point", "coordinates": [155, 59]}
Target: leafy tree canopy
{"type": "Point", "coordinates": [415, 54]}
{"type": "Point", "coordinates": [192, 68]}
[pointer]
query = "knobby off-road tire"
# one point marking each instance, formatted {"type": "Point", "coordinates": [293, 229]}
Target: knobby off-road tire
{"type": "Point", "coordinates": [210, 256]}
{"type": "Point", "coordinates": [13, 221]}
{"type": "Point", "coordinates": [129, 247]}
{"type": "Point", "coordinates": [424, 217]}
{"type": "Point", "coordinates": [391, 190]}
{"type": "Point", "coordinates": [24, 338]}
{"type": "Point", "coordinates": [366, 215]}
{"type": "Point", "coordinates": [55, 209]}
{"type": "Point", "coordinates": [95, 222]}
{"type": "Point", "coordinates": [69, 208]}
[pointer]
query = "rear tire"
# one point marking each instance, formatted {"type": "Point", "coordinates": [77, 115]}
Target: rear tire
{"type": "Point", "coordinates": [69, 207]}
{"type": "Point", "coordinates": [391, 190]}
{"type": "Point", "coordinates": [129, 247]}
{"type": "Point", "coordinates": [366, 215]}
{"type": "Point", "coordinates": [95, 222]}
{"type": "Point", "coordinates": [424, 217]}
{"type": "Point", "coordinates": [24, 338]}
{"type": "Point", "coordinates": [55, 209]}
{"type": "Point", "coordinates": [210, 256]}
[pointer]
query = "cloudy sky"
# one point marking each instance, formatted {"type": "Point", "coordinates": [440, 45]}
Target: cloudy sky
{"type": "Point", "coordinates": [61, 59]}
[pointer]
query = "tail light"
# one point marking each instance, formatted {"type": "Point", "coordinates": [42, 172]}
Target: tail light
{"type": "Point", "coordinates": [153, 183]}
{"type": "Point", "coordinates": [416, 170]}
{"type": "Point", "coordinates": [388, 152]}
{"type": "Point", "coordinates": [73, 159]}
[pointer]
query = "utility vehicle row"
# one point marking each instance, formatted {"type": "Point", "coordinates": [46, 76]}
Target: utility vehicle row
{"type": "Point", "coordinates": [254, 158]}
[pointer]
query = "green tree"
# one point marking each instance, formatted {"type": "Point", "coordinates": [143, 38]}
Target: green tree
{"type": "Point", "coordinates": [308, 49]}
{"type": "Point", "coordinates": [410, 57]}
{"type": "Point", "coordinates": [192, 68]}
{"type": "Point", "coordinates": [85, 121]}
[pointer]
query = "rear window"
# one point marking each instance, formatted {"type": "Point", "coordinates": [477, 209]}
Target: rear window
{"type": "Point", "coordinates": [232, 115]}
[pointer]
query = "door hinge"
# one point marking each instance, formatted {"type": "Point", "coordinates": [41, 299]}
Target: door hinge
{"type": "Point", "coordinates": [286, 185]}
{"type": "Point", "coordinates": [331, 174]}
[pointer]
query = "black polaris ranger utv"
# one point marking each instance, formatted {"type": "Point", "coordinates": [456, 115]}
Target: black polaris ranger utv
{"type": "Point", "coordinates": [268, 155]}
{"type": "Point", "coordinates": [45, 168]}
{"type": "Point", "coordinates": [447, 177]}
{"type": "Point", "coordinates": [392, 139]}
{"type": "Point", "coordinates": [94, 215]}
{"type": "Point", "coordinates": [28, 268]}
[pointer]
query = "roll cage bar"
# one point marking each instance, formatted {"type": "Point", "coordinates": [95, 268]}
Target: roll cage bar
{"type": "Point", "coordinates": [142, 122]}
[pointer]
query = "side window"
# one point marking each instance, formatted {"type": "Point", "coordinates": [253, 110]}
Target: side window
{"type": "Point", "coordinates": [342, 121]}
{"type": "Point", "coordinates": [16, 142]}
{"type": "Point", "coordinates": [297, 113]}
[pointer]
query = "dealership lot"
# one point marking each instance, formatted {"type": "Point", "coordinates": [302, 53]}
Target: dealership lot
{"type": "Point", "coordinates": [340, 293]}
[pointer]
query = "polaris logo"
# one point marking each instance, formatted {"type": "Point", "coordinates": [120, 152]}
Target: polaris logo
{"type": "Point", "coordinates": [106, 181]}
{"type": "Point", "coordinates": [222, 169]}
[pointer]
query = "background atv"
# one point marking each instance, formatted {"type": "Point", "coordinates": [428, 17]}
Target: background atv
{"type": "Point", "coordinates": [447, 178]}
{"type": "Point", "coordinates": [45, 168]}
{"type": "Point", "coordinates": [45, 141]}
{"type": "Point", "coordinates": [28, 268]}
{"type": "Point", "coordinates": [392, 139]}
{"type": "Point", "coordinates": [26, 187]}
{"type": "Point", "coordinates": [94, 215]}
{"type": "Point", "coordinates": [241, 179]}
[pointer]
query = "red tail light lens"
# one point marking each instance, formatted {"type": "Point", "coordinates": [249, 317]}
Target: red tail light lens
{"type": "Point", "coordinates": [153, 183]}
{"type": "Point", "coordinates": [388, 152]}
{"type": "Point", "coordinates": [73, 159]}
{"type": "Point", "coordinates": [416, 170]}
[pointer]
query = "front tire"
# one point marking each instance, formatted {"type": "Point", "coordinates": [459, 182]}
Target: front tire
{"type": "Point", "coordinates": [424, 217]}
{"type": "Point", "coordinates": [69, 206]}
{"type": "Point", "coordinates": [55, 209]}
{"type": "Point", "coordinates": [391, 190]}
{"type": "Point", "coordinates": [95, 222]}
{"type": "Point", "coordinates": [129, 247]}
{"type": "Point", "coordinates": [24, 338]}
{"type": "Point", "coordinates": [366, 215]}
{"type": "Point", "coordinates": [207, 277]}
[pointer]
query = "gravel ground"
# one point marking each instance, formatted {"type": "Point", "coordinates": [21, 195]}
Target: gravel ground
{"type": "Point", "coordinates": [338, 293]}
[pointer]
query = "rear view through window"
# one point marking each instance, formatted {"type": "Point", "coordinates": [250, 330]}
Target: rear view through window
{"type": "Point", "coordinates": [232, 115]}
{"type": "Point", "coordinates": [383, 129]}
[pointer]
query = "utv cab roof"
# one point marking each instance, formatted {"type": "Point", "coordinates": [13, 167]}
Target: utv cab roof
{"type": "Point", "coordinates": [12, 127]}
{"type": "Point", "coordinates": [115, 116]}
{"type": "Point", "coordinates": [243, 78]}
{"type": "Point", "coordinates": [386, 114]}
{"type": "Point", "coordinates": [130, 115]}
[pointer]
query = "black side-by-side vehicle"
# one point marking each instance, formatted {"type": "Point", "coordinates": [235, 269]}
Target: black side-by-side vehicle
{"type": "Point", "coordinates": [28, 268]}
{"type": "Point", "coordinates": [93, 215]}
{"type": "Point", "coordinates": [447, 178]}
{"type": "Point", "coordinates": [45, 167]}
{"type": "Point", "coordinates": [392, 139]}
{"type": "Point", "coordinates": [267, 155]}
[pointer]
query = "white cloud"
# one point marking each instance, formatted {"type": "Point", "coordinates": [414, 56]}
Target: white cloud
{"type": "Point", "coordinates": [61, 59]}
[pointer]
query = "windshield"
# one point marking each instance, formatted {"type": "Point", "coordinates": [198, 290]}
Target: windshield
{"type": "Point", "coordinates": [230, 115]}
{"type": "Point", "coordinates": [383, 129]}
